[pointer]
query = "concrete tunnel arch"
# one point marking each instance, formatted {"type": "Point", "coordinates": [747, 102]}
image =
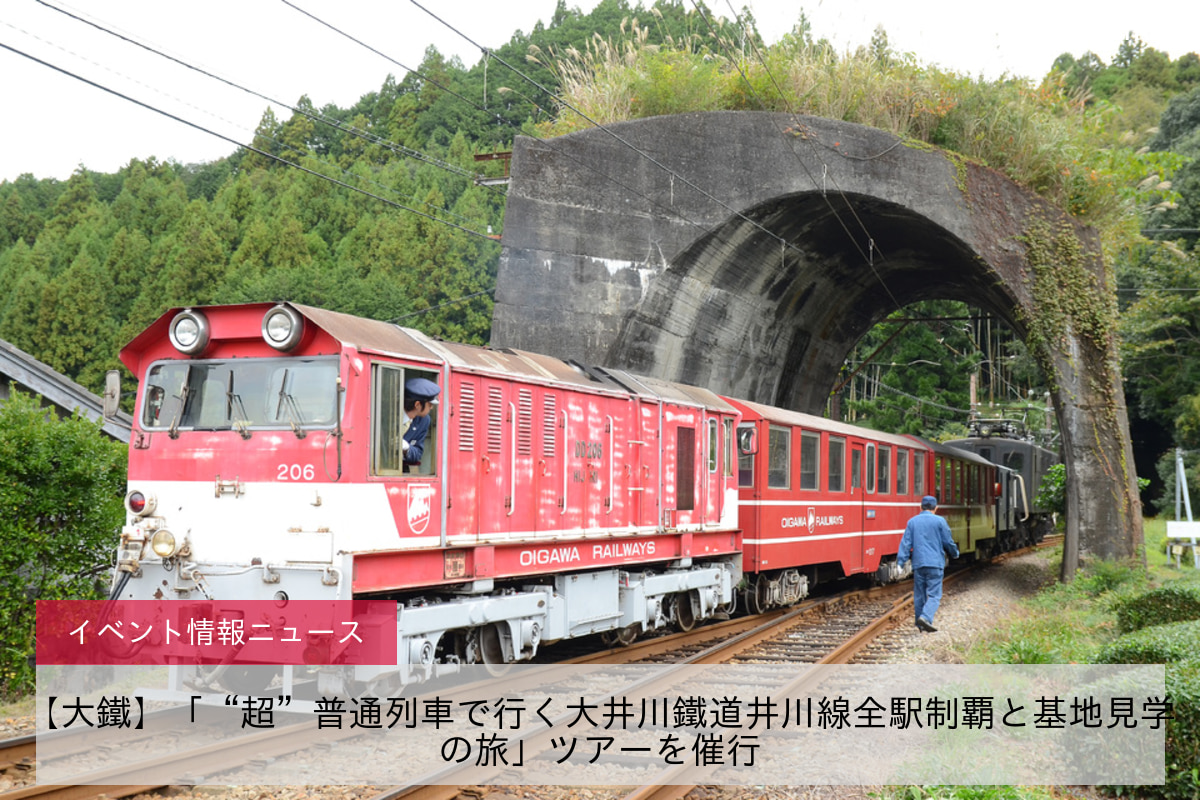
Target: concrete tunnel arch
{"type": "Point", "coordinates": [748, 252]}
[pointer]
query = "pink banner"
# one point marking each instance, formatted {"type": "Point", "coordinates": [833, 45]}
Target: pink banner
{"type": "Point", "coordinates": [148, 632]}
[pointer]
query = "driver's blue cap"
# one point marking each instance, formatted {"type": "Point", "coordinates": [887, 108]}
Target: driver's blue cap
{"type": "Point", "coordinates": [928, 501]}
{"type": "Point", "coordinates": [422, 389]}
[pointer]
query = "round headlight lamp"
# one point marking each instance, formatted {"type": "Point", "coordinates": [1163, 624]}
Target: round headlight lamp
{"type": "Point", "coordinates": [163, 543]}
{"type": "Point", "coordinates": [189, 332]}
{"type": "Point", "coordinates": [140, 504]}
{"type": "Point", "coordinates": [282, 328]}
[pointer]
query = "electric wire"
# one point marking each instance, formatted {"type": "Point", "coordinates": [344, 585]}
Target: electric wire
{"type": "Point", "coordinates": [621, 140]}
{"type": "Point", "coordinates": [273, 140]}
{"type": "Point", "coordinates": [925, 401]}
{"type": "Point", "coordinates": [347, 172]}
{"type": "Point", "coordinates": [453, 302]}
{"type": "Point", "coordinates": [391, 60]}
{"type": "Point", "coordinates": [544, 142]}
{"type": "Point", "coordinates": [242, 145]}
{"type": "Point", "coordinates": [315, 116]}
{"type": "Point", "coordinates": [867, 256]}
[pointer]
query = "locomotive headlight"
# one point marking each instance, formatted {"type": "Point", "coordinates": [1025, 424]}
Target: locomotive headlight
{"type": "Point", "coordinates": [189, 332]}
{"type": "Point", "coordinates": [163, 543]}
{"type": "Point", "coordinates": [140, 504]}
{"type": "Point", "coordinates": [282, 328]}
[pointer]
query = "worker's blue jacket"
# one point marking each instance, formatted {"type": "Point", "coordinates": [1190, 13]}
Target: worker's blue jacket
{"type": "Point", "coordinates": [926, 537]}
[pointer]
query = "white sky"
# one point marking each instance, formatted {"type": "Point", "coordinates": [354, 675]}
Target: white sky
{"type": "Point", "coordinates": [53, 123]}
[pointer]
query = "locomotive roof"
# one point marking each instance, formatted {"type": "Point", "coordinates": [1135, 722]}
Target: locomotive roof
{"type": "Point", "coordinates": [1000, 444]}
{"type": "Point", "coordinates": [385, 338]}
{"type": "Point", "coordinates": [785, 417]}
{"type": "Point", "coordinates": [948, 449]}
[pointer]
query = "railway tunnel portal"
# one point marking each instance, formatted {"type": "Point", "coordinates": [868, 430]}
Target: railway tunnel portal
{"type": "Point", "coordinates": [748, 252]}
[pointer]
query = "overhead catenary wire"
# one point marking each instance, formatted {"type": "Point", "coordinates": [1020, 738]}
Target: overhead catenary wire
{"type": "Point", "coordinates": [281, 144]}
{"type": "Point", "coordinates": [604, 175]}
{"type": "Point", "coordinates": [391, 60]}
{"type": "Point", "coordinates": [453, 302]}
{"type": "Point", "coordinates": [621, 140]}
{"type": "Point", "coordinates": [868, 256]}
{"type": "Point", "coordinates": [315, 117]}
{"type": "Point", "coordinates": [231, 140]}
{"type": "Point", "coordinates": [284, 161]}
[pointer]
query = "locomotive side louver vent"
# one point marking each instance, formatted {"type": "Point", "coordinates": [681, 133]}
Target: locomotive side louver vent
{"type": "Point", "coordinates": [525, 422]}
{"type": "Point", "coordinates": [466, 421]}
{"type": "Point", "coordinates": [548, 443]}
{"type": "Point", "coordinates": [495, 433]}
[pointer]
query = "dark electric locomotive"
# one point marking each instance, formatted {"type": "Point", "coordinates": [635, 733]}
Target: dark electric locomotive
{"type": "Point", "coordinates": [1010, 445]}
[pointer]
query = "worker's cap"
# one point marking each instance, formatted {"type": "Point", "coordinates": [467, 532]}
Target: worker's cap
{"type": "Point", "coordinates": [422, 389]}
{"type": "Point", "coordinates": [928, 501]}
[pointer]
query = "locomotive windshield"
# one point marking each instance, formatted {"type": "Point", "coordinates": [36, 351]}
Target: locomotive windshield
{"type": "Point", "coordinates": [241, 394]}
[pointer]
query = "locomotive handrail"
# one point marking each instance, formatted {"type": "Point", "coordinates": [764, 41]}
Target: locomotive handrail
{"type": "Point", "coordinates": [1024, 498]}
{"type": "Point", "coordinates": [612, 461]}
{"type": "Point", "coordinates": [564, 464]}
{"type": "Point", "coordinates": [512, 459]}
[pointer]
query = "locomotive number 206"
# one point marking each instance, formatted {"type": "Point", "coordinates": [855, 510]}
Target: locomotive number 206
{"type": "Point", "coordinates": [296, 472]}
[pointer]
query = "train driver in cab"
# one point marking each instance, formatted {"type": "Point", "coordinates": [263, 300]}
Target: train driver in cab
{"type": "Point", "coordinates": [420, 396]}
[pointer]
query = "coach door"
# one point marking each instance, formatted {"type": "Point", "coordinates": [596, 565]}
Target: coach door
{"type": "Point", "coordinates": [714, 470]}
{"type": "Point", "coordinates": [856, 512]}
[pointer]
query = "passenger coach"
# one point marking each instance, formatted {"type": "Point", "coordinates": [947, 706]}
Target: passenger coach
{"type": "Point", "coordinates": [822, 500]}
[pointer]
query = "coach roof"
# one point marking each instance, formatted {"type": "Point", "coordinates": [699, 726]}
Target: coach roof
{"type": "Point", "coordinates": [814, 423]}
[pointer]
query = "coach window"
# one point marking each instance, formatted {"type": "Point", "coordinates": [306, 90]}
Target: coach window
{"type": "Point", "coordinates": [837, 465]}
{"type": "Point", "coordinates": [885, 470]}
{"type": "Point", "coordinates": [779, 458]}
{"type": "Point", "coordinates": [937, 480]}
{"type": "Point", "coordinates": [810, 460]}
{"type": "Point", "coordinates": [745, 461]}
{"type": "Point", "coordinates": [901, 471]}
{"type": "Point", "coordinates": [870, 469]}
{"type": "Point", "coordinates": [919, 474]}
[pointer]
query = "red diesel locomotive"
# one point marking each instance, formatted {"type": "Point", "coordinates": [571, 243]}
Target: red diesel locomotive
{"type": "Point", "coordinates": [551, 501]}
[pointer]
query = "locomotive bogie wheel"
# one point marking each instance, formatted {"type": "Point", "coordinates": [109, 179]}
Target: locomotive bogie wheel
{"type": "Point", "coordinates": [762, 593]}
{"type": "Point", "coordinates": [622, 637]}
{"type": "Point", "coordinates": [685, 612]}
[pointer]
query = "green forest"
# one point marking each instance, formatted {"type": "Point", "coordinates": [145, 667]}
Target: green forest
{"type": "Point", "coordinates": [377, 209]}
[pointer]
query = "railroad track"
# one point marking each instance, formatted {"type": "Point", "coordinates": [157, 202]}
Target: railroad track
{"type": "Point", "coordinates": [827, 631]}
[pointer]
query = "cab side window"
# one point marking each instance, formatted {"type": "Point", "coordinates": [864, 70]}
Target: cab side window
{"type": "Point", "coordinates": [389, 422]}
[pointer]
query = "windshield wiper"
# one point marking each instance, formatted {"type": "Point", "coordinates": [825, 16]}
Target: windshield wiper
{"type": "Point", "coordinates": [184, 394]}
{"type": "Point", "coordinates": [234, 403]}
{"type": "Point", "coordinates": [286, 401]}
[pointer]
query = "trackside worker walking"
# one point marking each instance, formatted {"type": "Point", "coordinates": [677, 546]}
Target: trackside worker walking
{"type": "Point", "coordinates": [926, 538]}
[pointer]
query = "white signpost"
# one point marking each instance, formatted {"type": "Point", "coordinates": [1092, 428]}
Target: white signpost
{"type": "Point", "coordinates": [1183, 534]}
